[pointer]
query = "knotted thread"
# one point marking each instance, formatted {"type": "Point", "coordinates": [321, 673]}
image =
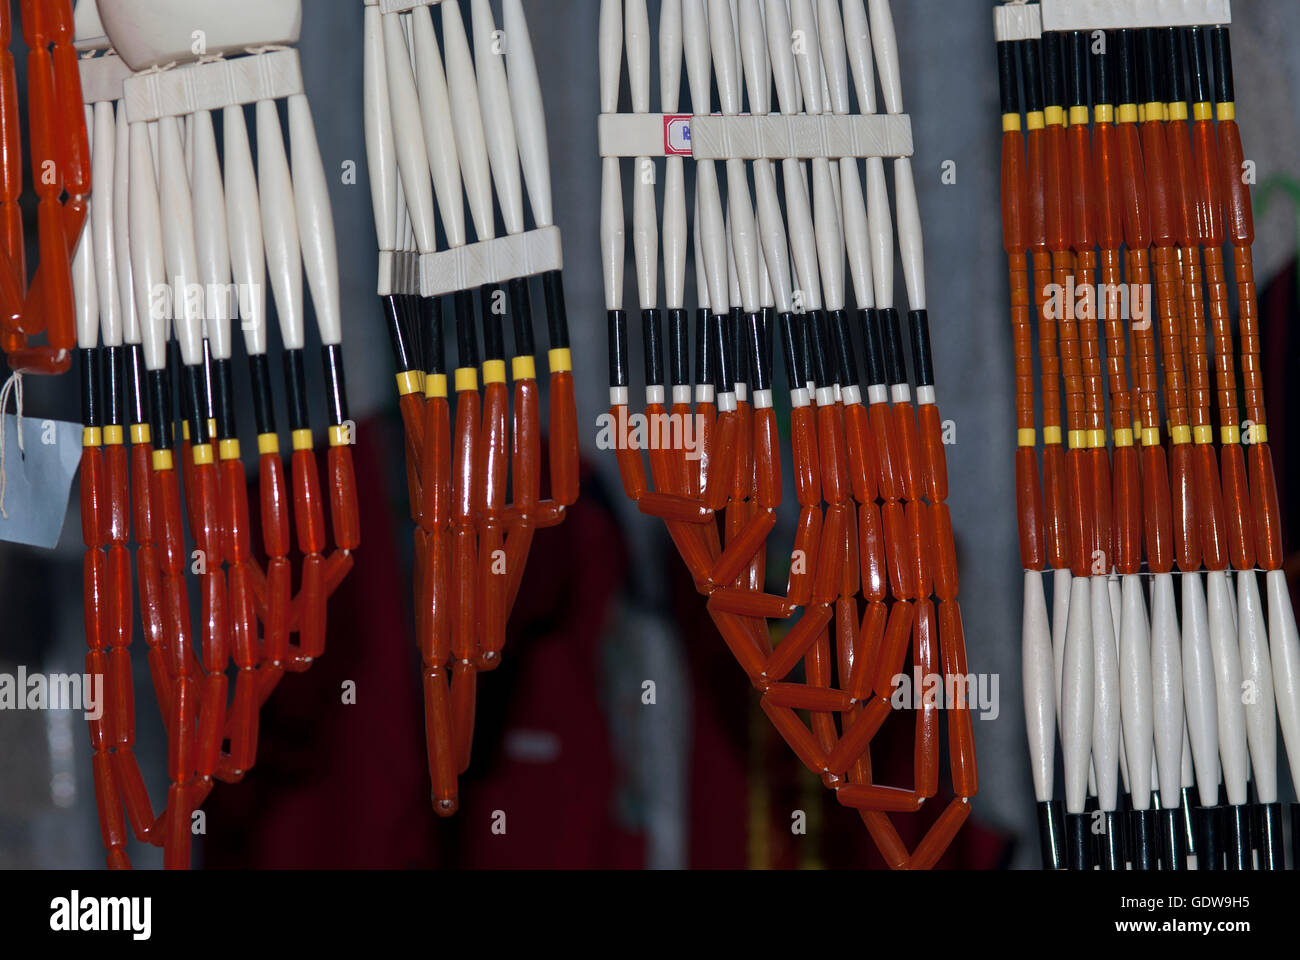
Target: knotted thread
{"type": "Point", "coordinates": [14, 386]}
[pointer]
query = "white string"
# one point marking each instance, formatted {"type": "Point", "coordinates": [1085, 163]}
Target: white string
{"type": "Point", "coordinates": [14, 386]}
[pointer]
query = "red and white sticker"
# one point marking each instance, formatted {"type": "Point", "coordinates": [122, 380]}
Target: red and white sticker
{"type": "Point", "coordinates": [677, 135]}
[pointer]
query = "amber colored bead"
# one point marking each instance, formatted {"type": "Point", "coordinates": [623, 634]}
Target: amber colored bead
{"type": "Point", "coordinates": [95, 506]}
{"type": "Point", "coordinates": [97, 666]}
{"type": "Point", "coordinates": [311, 630]}
{"type": "Point", "coordinates": [112, 827]}
{"type": "Point", "coordinates": [309, 514]}
{"type": "Point", "coordinates": [858, 735]}
{"type": "Point", "coordinates": [275, 505]}
{"type": "Point", "coordinates": [525, 444]}
{"type": "Point", "coordinates": [564, 440]}
{"type": "Point", "coordinates": [750, 603]}
{"type": "Point", "coordinates": [893, 650]}
{"type": "Point", "coordinates": [879, 798]}
{"type": "Point", "coordinates": [796, 642]}
{"type": "Point", "coordinates": [119, 698]}
{"type": "Point", "coordinates": [925, 656]}
{"type": "Point", "coordinates": [740, 641]}
{"type": "Point", "coordinates": [1156, 510]}
{"type": "Point", "coordinates": [718, 485]}
{"type": "Point", "coordinates": [834, 456]}
{"type": "Point", "coordinates": [135, 795]}
{"type": "Point", "coordinates": [435, 641]}
{"type": "Point", "coordinates": [1127, 490]}
{"type": "Point", "coordinates": [440, 742]}
{"type": "Point", "coordinates": [1082, 518]}
{"type": "Point", "coordinates": [279, 585]}
{"type": "Point", "coordinates": [1237, 507]}
{"type": "Point", "coordinates": [185, 697]}
{"type": "Point", "coordinates": [849, 566]}
{"type": "Point", "coordinates": [961, 737]}
{"type": "Point", "coordinates": [1103, 505]}
{"type": "Point", "coordinates": [871, 553]}
{"type": "Point", "coordinates": [667, 506]}
{"type": "Point", "coordinates": [493, 463]}
{"type": "Point", "coordinates": [493, 581]}
{"type": "Point", "coordinates": [871, 635]}
{"type": "Point", "coordinates": [934, 459]}
{"type": "Point", "coordinates": [742, 548]}
{"type": "Point", "coordinates": [742, 478]}
{"type": "Point", "coordinates": [801, 696]}
{"type": "Point", "coordinates": [1263, 490]}
{"type": "Point", "coordinates": [887, 452]}
{"type": "Point", "coordinates": [803, 559]}
{"type": "Point", "coordinates": [464, 456]}
{"type": "Point", "coordinates": [916, 515]}
{"type": "Point", "coordinates": [798, 736]}
{"type": "Point", "coordinates": [1014, 238]}
{"type": "Point", "coordinates": [463, 574]}
{"type": "Point", "coordinates": [898, 553]}
{"type": "Point", "coordinates": [846, 637]}
{"type": "Point", "coordinates": [697, 470]}
{"type": "Point", "coordinates": [886, 838]}
{"type": "Point", "coordinates": [464, 690]}
{"type": "Point", "coordinates": [864, 474]}
{"type": "Point", "coordinates": [767, 458]}
{"type": "Point", "coordinates": [830, 556]}
{"type": "Point", "coordinates": [692, 545]}
{"type": "Point", "coordinates": [943, 552]}
{"type": "Point", "coordinates": [176, 851]}
{"type": "Point", "coordinates": [244, 728]}
{"type": "Point", "coordinates": [345, 515]}
{"type": "Point", "coordinates": [1054, 502]}
{"type": "Point", "coordinates": [1209, 507]}
{"type": "Point", "coordinates": [940, 835]}
{"type": "Point", "coordinates": [211, 723]}
{"type": "Point", "coordinates": [1240, 222]}
{"type": "Point", "coordinates": [1184, 508]}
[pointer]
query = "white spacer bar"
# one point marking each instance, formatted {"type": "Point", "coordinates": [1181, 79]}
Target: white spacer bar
{"type": "Point", "coordinates": [491, 261]}
{"type": "Point", "coordinates": [102, 78]}
{"type": "Point", "coordinates": [213, 86]}
{"type": "Point", "coordinates": [774, 137]}
{"type": "Point", "coordinates": [1133, 14]}
{"type": "Point", "coordinates": [1017, 21]}
{"type": "Point", "coordinates": [399, 272]}
{"type": "Point", "coordinates": [402, 6]}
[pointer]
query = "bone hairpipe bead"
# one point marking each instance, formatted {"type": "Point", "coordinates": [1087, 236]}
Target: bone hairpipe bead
{"type": "Point", "coordinates": [315, 222]}
{"type": "Point", "coordinates": [147, 258]}
{"type": "Point", "coordinates": [610, 53]}
{"type": "Point", "coordinates": [247, 255]}
{"type": "Point", "coordinates": [280, 226]}
{"type": "Point", "coordinates": [530, 114]}
{"type": "Point", "coordinates": [178, 237]}
{"type": "Point", "coordinates": [439, 135]}
{"type": "Point", "coordinates": [103, 222]}
{"type": "Point", "coordinates": [412, 161]}
{"type": "Point", "coordinates": [125, 278]}
{"type": "Point", "coordinates": [381, 157]}
{"type": "Point", "coordinates": [84, 282]}
{"type": "Point", "coordinates": [467, 119]}
{"type": "Point", "coordinates": [498, 118]}
{"type": "Point", "coordinates": [212, 241]}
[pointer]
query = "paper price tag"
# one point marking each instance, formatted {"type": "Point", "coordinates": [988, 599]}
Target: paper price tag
{"type": "Point", "coordinates": [38, 478]}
